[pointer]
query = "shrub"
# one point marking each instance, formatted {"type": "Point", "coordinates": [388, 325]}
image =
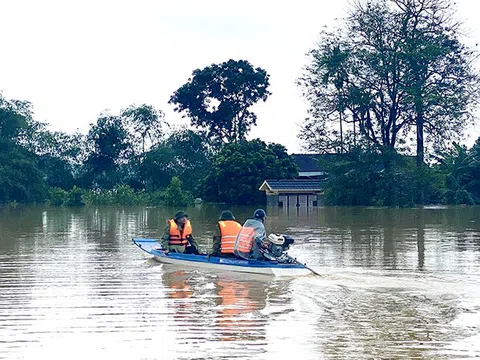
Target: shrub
{"type": "Point", "coordinates": [75, 197]}
{"type": "Point", "coordinates": [57, 196]}
{"type": "Point", "coordinates": [174, 195]}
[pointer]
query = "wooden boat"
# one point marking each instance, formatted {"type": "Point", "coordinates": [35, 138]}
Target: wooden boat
{"type": "Point", "coordinates": [275, 268]}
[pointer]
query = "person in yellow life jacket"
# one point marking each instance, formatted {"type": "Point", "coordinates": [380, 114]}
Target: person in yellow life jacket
{"type": "Point", "coordinates": [225, 235]}
{"type": "Point", "coordinates": [177, 236]}
{"type": "Point", "coordinates": [250, 240]}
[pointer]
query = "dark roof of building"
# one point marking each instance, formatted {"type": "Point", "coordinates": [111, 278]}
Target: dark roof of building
{"type": "Point", "coordinates": [312, 163]}
{"type": "Point", "coordinates": [293, 184]}
{"type": "Point", "coordinates": [307, 162]}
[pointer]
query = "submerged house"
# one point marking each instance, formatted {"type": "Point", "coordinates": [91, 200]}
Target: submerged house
{"type": "Point", "coordinates": [304, 191]}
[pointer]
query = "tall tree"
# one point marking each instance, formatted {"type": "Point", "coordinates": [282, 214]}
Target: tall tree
{"type": "Point", "coordinates": [60, 155]}
{"type": "Point", "coordinates": [218, 97]}
{"type": "Point", "coordinates": [440, 80]}
{"type": "Point", "coordinates": [147, 125]}
{"type": "Point", "coordinates": [355, 71]}
{"type": "Point", "coordinates": [394, 68]}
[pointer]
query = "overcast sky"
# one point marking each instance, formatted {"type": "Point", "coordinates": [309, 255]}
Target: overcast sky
{"type": "Point", "coordinates": [74, 59]}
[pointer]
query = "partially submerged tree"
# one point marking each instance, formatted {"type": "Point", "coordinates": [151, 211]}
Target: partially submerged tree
{"type": "Point", "coordinates": [218, 99]}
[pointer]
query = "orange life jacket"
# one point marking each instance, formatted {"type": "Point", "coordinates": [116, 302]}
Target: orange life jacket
{"type": "Point", "coordinates": [245, 240]}
{"type": "Point", "coordinates": [229, 230]}
{"type": "Point", "coordinates": [178, 237]}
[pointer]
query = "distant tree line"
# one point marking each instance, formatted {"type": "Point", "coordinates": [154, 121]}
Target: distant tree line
{"type": "Point", "coordinates": [359, 177]}
{"type": "Point", "coordinates": [135, 157]}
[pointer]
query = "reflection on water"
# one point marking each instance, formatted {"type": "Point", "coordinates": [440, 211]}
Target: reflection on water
{"type": "Point", "coordinates": [236, 305]}
{"type": "Point", "coordinates": [398, 283]}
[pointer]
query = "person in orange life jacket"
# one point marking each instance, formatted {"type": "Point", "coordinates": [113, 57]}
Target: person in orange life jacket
{"type": "Point", "coordinates": [250, 240]}
{"type": "Point", "coordinates": [225, 235]}
{"type": "Point", "coordinates": [177, 236]}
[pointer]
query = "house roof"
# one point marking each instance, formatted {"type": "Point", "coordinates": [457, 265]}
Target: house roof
{"type": "Point", "coordinates": [291, 185]}
{"type": "Point", "coordinates": [307, 162]}
{"type": "Point", "coordinates": [310, 163]}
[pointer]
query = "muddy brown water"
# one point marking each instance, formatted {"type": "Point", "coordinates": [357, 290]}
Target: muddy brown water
{"type": "Point", "coordinates": [396, 284]}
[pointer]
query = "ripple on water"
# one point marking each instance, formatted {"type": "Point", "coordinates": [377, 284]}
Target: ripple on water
{"type": "Point", "coordinates": [73, 286]}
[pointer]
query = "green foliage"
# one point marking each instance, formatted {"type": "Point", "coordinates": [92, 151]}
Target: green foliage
{"type": "Point", "coordinates": [361, 178]}
{"type": "Point", "coordinates": [184, 155]}
{"type": "Point", "coordinates": [110, 147]}
{"type": "Point", "coordinates": [218, 97]}
{"type": "Point", "coordinates": [20, 178]}
{"type": "Point", "coordinates": [158, 167]}
{"type": "Point", "coordinates": [57, 172]}
{"type": "Point", "coordinates": [146, 123]}
{"type": "Point", "coordinates": [121, 195]}
{"type": "Point", "coordinates": [57, 196]}
{"type": "Point", "coordinates": [14, 117]}
{"type": "Point", "coordinates": [462, 169]}
{"type": "Point", "coordinates": [75, 197]}
{"type": "Point", "coordinates": [352, 177]}
{"type": "Point", "coordinates": [174, 195]}
{"type": "Point", "coordinates": [240, 168]}
{"type": "Point", "coordinates": [391, 71]}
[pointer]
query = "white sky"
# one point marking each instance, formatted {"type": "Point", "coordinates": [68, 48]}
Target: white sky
{"type": "Point", "coordinates": [73, 59]}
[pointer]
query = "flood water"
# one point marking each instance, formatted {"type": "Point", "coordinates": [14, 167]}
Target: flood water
{"type": "Point", "coordinates": [396, 284]}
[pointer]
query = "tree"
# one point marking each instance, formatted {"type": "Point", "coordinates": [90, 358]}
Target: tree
{"type": "Point", "coordinates": [218, 97]}
{"type": "Point", "coordinates": [110, 147]}
{"type": "Point", "coordinates": [20, 177]}
{"type": "Point", "coordinates": [395, 67]}
{"type": "Point", "coordinates": [240, 168]}
{"type": "Point", "coordinates": [355, 72]}
{"type": "Point", "coordinates": [475, 169]}
{"type": "Point", "coordinates": [174, 195]}
{"type": "Point", "coordinates": [352, 178]}
{"type": "Point", "coordinates": [441, 84]}
{"type": "Point", "coordinates": [147, 124]}
{"type": "Point", "coordinates": [36, 138]}
{"type": "Point", "coordinates": [14, 117]}
{"type": "Point", "coordinates": [462, 168]}
{"type": "Point", "coordinates": [157, 169]}
{"type": "Point", "coordinates": [183, 154]}
{"type": "Point", "coordinates": [59, 155]}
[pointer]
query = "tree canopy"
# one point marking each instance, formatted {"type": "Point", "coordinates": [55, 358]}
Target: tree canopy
{"type": "Point", "coordinates": [146, 125]}
{"type": "Point", "coordinates": [392, 70]}
{"type": "Point", "coordinates": [240, 168]}
{"type": "Point", "coordinates": [184, 154]}
{"type": "Point", "coordinates": [218, 99]}
{"type": "Point", "coordinates": [20, 177]}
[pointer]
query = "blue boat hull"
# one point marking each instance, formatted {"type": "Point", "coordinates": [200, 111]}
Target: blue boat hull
{"type": "Point", "coordinates": [152, 247]}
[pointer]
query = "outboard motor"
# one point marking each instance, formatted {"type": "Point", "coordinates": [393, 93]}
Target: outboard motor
{"type": "Point", "coordinates": [288, 241]}
{"type": "Point", "coordinates": [276, 245]}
